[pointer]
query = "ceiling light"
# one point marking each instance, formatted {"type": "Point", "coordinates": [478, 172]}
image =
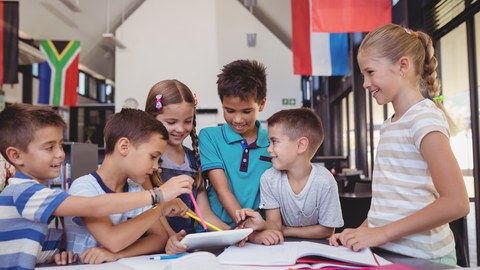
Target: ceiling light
{"type": "Point", "coordinates": [110, 38]}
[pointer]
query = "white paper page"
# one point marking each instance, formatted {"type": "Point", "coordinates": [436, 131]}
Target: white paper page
{"type": "Point", "coordinates": [364, 256]}
{"type": "Point", "coordinates": [253, 254]}
{"type": "Point", "coordinates": [144, 262]}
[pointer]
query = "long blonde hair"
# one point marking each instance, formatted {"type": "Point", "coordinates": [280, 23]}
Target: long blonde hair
{"type": "Point", "coordinates": [392, 41]}
{"type": "Point", "coordinates": [175, 92]}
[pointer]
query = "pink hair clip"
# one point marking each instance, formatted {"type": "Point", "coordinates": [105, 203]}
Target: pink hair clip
{"type": "Point", "coordinates": [158, 104]}
{"type": "Point", "coordinates": [195, 100]}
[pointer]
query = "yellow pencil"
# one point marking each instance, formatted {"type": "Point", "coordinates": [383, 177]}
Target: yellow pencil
{"type": "Point", "coordinates": [206, 223]}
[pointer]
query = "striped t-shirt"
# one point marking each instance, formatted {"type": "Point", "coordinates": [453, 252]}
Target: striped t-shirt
{"type": "Point", "coordinates": [28, 231]}
{"type": "Point", "coordinates": [402, 184]}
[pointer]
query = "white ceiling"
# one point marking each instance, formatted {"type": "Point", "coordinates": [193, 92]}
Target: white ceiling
{"type": "Point", "coordinates": [51, 19]}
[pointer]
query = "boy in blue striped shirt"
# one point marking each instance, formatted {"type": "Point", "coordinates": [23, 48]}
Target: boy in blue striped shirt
{"type": "Point", "coordinates": [31, 139]}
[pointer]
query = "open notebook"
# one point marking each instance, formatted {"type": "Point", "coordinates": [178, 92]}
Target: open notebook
{"type": "Point", "coordinates": [289, 252]}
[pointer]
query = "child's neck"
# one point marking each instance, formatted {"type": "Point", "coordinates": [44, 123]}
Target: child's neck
{"type": "Point", "coordinates": [113, 178]}
{"type": "Point", "coordinates": [251, 135]}
{"type": "Point", "coordinates": [175, 153]}
{"type": "Point", "coordinates": [298, 176]}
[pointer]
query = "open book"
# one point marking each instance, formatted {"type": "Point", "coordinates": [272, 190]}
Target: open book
{"type": "Point", "coordinates": [289, 252]}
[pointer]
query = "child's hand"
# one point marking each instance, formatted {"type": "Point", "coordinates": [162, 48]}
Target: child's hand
{"type": "Point", "coordinates": [356, 239]}
{"type": "Point", "coordinates": [174, 208]}
{"type": "Point", "coordinates": [97, 255]}
{"type": "Point", "coordinates": [174, 246]}
{"type": "Point", "coordinates": [175, 186]}
{"type": "Point", "coordinates": [267, 237]}
{"type": "Point", "coordinates": [254, 221]}
{"type": "Point", "coordinates": [63, 258]}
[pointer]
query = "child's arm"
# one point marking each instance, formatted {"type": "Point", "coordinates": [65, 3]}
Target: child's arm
{"type": "Point", "coordinates": [219, 182]}
{"type": "Point", "coordinates": [207, 213]}
{"type": "Point", "coordinates": [116, 237]}
{"type": "Point", "coordinates": [314, 231]}
{"type": "Point", "coordinates": [107, 204]}
{"type": "Point", "coordinates": [154, 242]}
{"type": "Point", "coordinates": [272, 235]}
{"type": "Point", "coordinates": [451, 204]}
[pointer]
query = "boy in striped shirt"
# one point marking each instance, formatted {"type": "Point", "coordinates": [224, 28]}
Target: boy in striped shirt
{"type": "Point", "coordinates": [31, 139]}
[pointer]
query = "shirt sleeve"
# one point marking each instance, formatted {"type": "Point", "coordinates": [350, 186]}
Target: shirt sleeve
{"type": "Point", "coordinates": [267, 190]}
{"type": "Point", "coordinates": [430, 121]}
{"type": "Point", "coordinates": [209, 155]}
{"type": "Point", "coordinates": [37, 202]}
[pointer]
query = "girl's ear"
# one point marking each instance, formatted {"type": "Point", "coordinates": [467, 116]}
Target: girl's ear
{"type": "Point", "coordinates": [123, 146]}
{"type": "Point", "coordinates": [14, 155]}
{"type": "Point", "coordinates": [302, 145]}
{"type": "Point", "coordinates": [404, 63]}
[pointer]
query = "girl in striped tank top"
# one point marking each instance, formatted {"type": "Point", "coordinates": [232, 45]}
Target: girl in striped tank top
{"type": "Point", "coordinates": [418, 187]}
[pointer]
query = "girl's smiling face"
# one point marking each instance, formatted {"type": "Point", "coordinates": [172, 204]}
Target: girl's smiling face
{"type": "Point", "coordinates": [178, 119]}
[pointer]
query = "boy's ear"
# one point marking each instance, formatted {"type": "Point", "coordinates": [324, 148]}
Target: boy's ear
{"type": "Point", "coordinates": [14, 155]}
{"type": "Point", "coordinates": [261, 105]}
{"type": "Point", "coordinates": [123, 146]}
{"type": "Point", "coordinates": [302, 145]}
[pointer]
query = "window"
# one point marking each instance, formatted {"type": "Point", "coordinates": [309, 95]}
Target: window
{"type": "Point", "coordinates": [81, 83]}
{"type": "Point", "coordinates": [455, 82]}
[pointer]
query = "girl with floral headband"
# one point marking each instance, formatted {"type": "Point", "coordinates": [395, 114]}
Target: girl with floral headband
{"type": "Point", "coordinates": [172, 103]}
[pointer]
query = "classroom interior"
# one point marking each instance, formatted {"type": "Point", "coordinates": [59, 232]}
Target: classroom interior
{"type": "Point", "coordinates": [129, 45]}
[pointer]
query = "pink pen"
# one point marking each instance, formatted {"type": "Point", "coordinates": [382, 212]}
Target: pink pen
{"type": "Point", "coordinates": [198, 211]}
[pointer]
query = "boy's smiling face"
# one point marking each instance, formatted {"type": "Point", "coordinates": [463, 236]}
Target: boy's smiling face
{"type": "Point", "coordinates": [242, 114]}
{"type": "Point", "coordinates": [44, 156]}
{"type": "Point", "coordinates": [282, 149]}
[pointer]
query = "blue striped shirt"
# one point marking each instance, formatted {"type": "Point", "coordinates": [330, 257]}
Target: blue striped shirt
{"type": "Point", "coordinates": [28, 231]}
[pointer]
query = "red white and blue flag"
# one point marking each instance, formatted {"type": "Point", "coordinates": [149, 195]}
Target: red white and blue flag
{"type": "Point", "coordinates": [315, 53]}
{"type": "Point", "coordinates": [59, 74]}
{"type": "Point", "coordinates": [346, 16]}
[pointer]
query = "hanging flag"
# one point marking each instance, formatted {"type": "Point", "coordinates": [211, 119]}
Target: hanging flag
{"type": "Point", "coordinates": [344, 16]}
{"type": "Point", "coordinates": [319, 54]}
{"type": "Point", "coordinates": [8, 42]}
{"type": "Point", "coordinates": [59, 74]}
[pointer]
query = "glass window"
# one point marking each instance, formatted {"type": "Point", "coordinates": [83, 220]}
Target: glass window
{"type": "Point", "coordinates": [455, 82]}
{"type": "Point", "coordinates": [351, 130]}
{"type": "Point", "coordinates": [110, 93]}
{"type": "Point", "coordinates": [92, 87]}
{"type": "Point", "coordinates": [81, 83]}
{"type": "Point", "coordinates": [35, 70]}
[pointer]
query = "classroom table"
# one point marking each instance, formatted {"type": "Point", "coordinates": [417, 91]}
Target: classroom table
{"type": "Point", "coordinates": [393, 257]}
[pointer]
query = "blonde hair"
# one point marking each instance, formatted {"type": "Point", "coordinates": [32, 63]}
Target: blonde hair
{"type": "Point", "coordinates": [175, 92]}
{"type": "Point", "coordinates": [392, 41]}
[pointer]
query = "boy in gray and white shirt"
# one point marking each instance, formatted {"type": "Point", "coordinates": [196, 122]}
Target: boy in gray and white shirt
{"type": "Point", "coordinates": [300, 198]}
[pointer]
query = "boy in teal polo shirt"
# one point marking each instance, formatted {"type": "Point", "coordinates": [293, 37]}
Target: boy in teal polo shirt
{"type": "Point", "coordinates": [234, 156]}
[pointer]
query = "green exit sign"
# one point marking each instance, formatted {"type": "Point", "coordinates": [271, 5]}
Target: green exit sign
{"type": "Point", "coordinates": [289, 101]}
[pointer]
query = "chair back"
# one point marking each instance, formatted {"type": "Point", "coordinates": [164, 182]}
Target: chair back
{"type": "Point", "coordinates": [460, 233]}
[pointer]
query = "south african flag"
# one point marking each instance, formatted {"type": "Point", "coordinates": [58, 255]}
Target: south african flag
{"type": "Point", "coordinates": [59, 74]}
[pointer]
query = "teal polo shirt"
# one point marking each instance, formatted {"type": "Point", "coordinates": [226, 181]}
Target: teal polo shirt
{"type": "Point", "coordinates": [243, 164]}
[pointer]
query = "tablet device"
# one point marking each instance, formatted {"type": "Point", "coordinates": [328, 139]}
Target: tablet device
{"type": "Point", "coordinates": [208, 240]}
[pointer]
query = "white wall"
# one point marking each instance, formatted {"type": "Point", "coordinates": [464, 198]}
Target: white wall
{"type": "Point", "coordinates": [190, 41]}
